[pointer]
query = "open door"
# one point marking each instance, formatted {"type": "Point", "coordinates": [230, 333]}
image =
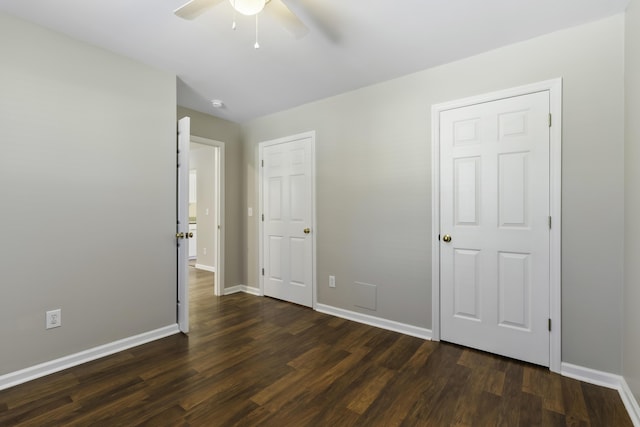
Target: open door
{"type": "Point", "coordinates": [182, 223]}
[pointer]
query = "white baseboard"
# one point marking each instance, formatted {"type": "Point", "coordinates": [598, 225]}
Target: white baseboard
{"type": "Point", "coordinates": [378, 322]}
{"type": "Point", "coordinates": [630, 402]}
{"type": "Point", "coordinates": [22, 376]}
{"type": "Point", "coordinates": [608, 380]}
{"type": "Point", "coordinates": [205, 267]}
{"type": "Point", "coordinates": [242, 288]}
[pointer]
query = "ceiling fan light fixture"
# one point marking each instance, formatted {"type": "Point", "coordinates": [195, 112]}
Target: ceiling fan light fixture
{"type": "Point", "coordinates": [248, 7]}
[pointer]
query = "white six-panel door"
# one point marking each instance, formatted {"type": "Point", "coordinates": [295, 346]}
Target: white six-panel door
{"type": "Point", "coordinates": [287, 191]}
{"type": "Point", "coordinates": [494, 207]}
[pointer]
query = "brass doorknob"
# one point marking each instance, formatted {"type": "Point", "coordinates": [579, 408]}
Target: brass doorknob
{"type": "Point", "coordinates": [307, 230]}
{"type": "Point", "coordinates": [190, 234]}
{"type": "Point", "coordinates": [446, 238]}
{"type": "Point", "coordinates": [179, 235]}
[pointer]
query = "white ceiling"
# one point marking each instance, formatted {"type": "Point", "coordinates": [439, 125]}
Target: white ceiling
{"type": "Point", "coordinates": [352, 43]}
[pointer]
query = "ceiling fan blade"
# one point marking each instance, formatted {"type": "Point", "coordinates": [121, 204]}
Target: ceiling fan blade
{"type": "Point", "coordinates": [287, 19]}
{"type": "Point", "coordinates": [195, 8]}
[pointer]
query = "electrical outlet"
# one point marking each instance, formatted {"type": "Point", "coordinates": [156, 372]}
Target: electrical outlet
{"type": "Point", "coordinates": [204, 250]}
{"type": "Point", "coordinates": [54, 319]}
{"type": "Point", "coordinates": [332, 281]}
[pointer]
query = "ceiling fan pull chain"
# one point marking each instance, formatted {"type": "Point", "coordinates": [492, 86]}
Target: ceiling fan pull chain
{"type": "Point", "coordinates": [257, 45]}
{"type": "Point", "coordinates": [233, 25]}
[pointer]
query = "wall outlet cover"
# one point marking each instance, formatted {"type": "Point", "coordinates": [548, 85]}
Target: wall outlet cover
{"type": "Point", "coordinates": [53, 319]}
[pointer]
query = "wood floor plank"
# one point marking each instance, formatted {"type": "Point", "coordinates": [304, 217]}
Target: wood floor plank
{"type": "Point", "coordinates": [573, 399]}
{"type": "Point", "coordinates": [37, 389]}
{"type": "Point", "coordinates": [509, 407]}
{"type": "Point", "coordinates": [256, 361]}
{"type": "Point", "coordinates": [603, 407]}
{"type": "Point", "coordinates": [530, 410]}
{"type": "Point", "coordinates": [288, 382]}
{"type": "Point", "coordinates": [375, 379]}
{"type": "Point", "coordinates": [35, 410]}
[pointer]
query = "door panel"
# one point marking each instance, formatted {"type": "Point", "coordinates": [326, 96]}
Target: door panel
{"type": "Point", "coordinates": [514, 284]}
{"type": "Point", "coordinates": [466, 284]}
{"type": "Point", "coordinates": [494, 273]}
{"type": "Point", "coordinates": [512, 189]}
{"type": "Point", "coordinates": [466, 185]}
{"type": "Point", "coordinates": [287, 206]}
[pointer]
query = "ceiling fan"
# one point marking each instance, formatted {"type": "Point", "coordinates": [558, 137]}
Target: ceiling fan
{"type": "Point", "coordinates": [277, 8]}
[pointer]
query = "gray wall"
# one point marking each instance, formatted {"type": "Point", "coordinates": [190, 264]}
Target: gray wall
{"type": "Point", "coordinates": [210, 127]}
{"type": "Point", "coordinates": [631, 355]}
{"type": "Point", "coordinates": [374, 181]}
{"type": "Point", "coordinates": [87, 184]}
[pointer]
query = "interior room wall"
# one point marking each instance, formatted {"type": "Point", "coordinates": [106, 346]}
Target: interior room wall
{"type": "Point", "coordinates": [207, 126]}
{"type": "Point", "coordinates": [87, 183]}
{"type": "Point", "coordinates": [374, 181]}
{"type": "Point", "coordinates": [631, 340]}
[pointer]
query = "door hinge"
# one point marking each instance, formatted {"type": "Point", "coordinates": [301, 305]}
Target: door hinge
{"type": "Point", "coordinates": [263, 271]}
{"type": "Point", "coordinates": [263, 163]}
{"type": "Point", "coordinates": [549, 119]}
{"type": "Point", "coordinates": [549, 325]}
{"type": "Point", "coordinates": [262, 217]}
{"type": "Point", "coordinates": [549, 223]}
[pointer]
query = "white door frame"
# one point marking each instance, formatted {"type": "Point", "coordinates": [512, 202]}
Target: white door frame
{"type": "Point", "coordinates": [261, 145]}
{"type": "Point", "coordinates": [554, 87]}
{"type": "Point", "coordinates": [219, 280]}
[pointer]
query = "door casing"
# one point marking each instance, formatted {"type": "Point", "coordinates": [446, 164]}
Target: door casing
{"type": "Point", "coordinates": [261, 145]}
{"type": "Point", "coordinates": [554, 87]}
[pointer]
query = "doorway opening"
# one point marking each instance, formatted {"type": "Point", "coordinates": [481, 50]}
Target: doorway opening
{"type": "Point", "coordinates": [206, 208]}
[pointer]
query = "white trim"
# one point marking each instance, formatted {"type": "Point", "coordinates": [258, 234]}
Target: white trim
{"type": "Point", "coordinates": [31, 373]}
{"type": "Point", "coordinates": [605, 379]}
{"type": "Point", "coordinates": [630, 402]}
{"type": "Point", "coordinates": [243, 288]}
{"type": "Point", "coordinates": [219, 282]}
{"type": "Point", "coordinates": [554, 87]}
{"type": "Point", "coordinates": [591, 376]}
{"type": "Point", "coordinates": [312, 135]}
{"type": "Point", "coordinates": [378, 322]}
{"type": "Point", "coordinates": [205, 267]}
{"type": "Point", "coordinates": [555, 207]}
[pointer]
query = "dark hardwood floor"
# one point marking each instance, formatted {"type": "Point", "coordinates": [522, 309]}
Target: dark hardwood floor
{"type": "Point", "coordinates": [252, 361]}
